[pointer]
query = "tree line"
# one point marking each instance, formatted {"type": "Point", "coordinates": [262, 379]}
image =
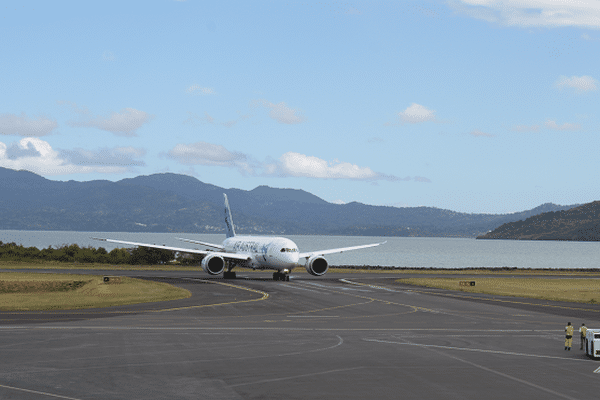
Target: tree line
{"type": "Point", "coordinates": [74, 253]}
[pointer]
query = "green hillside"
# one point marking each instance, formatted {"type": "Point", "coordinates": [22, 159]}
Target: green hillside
{"type": "Point", "coordinates": [580, 223]}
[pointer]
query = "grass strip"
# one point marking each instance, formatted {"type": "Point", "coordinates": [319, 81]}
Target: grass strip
{"type": "Point", "coordinates": [21, 286]}
{"type": "Point", "coordinates": [578, 290]}
{"type": "Point", "coordinates": [21, 291]}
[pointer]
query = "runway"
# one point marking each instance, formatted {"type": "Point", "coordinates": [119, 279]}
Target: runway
{"type": "Point", "coordinates": [343, 336]}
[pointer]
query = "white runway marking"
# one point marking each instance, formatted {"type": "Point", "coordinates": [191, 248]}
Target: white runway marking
{"type": "Point", "coordinates": [330, 287]}
{"type": "Point", "coordinates": [373, 286]}
{"type": "Point", "coordinates": [197, 361]}
{"type": "Point", "coordinates": [476, 336]}
{"type": "Point", "coordinates": [510, 353]}
{"type": "Point", "coordinates": [542, 388]}
{"type": "Point", "coordinates": [36, 392]}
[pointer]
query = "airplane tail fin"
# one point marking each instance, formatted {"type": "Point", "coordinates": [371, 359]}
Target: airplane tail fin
{"type": "Point", "coordinates": [230, 231]}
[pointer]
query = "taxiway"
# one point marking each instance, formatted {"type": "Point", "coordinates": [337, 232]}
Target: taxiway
{"type": "Point", "coordinates": [345, 336]}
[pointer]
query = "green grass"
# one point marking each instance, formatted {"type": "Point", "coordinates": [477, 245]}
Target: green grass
{"type": "Point", "coordinates": [563, 289]}
{"type": "Point", "coordinates": [30, 291]}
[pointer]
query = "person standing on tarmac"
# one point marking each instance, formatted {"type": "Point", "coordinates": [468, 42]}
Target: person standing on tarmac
{"type": "Point", "coordinates": [582, 331]}
{"type": "Point", "coordinates": [568, 336]}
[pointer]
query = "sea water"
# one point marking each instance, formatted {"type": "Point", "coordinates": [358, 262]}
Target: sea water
{"type": "Point", "coordinates": [397, 251]}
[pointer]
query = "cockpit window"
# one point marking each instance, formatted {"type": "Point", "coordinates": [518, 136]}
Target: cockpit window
{"type": "Point", "coordinates": [286, 250]}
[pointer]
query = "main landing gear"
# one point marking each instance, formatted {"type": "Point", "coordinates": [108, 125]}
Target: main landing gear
{"type": "Point", "coordinates": [278, 276]}
{"type": "Point", "coordinates": [229, 275]}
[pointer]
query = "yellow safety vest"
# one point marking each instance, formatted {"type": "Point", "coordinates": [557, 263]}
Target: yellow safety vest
{"type": "Point", "coordinates": [583, 330]}
{"type": "Point", "coordinates": [569, 331]}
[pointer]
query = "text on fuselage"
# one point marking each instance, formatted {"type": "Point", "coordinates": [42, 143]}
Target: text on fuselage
{"type": "Point", "coordinates": [250, 247]}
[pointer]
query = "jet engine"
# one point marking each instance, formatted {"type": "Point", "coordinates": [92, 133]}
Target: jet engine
{"type": "Point", "coordinates": [316, 265]}
{"type": "Point", "coordinates": [213, 265]}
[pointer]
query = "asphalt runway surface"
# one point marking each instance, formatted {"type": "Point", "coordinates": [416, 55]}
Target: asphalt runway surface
{"type": "Point", "coordinates": [342, 336]}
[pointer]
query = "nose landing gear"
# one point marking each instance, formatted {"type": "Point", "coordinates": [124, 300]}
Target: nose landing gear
{"type": "Point", "coordinates": [279, 276]}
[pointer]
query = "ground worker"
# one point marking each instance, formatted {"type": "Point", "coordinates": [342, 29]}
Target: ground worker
{"type": "Point", "coordinates": [568, 336]}
{"type": "Point", "coordinates": [582, 331]}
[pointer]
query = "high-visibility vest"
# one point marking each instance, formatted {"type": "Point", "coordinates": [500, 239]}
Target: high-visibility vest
{"type": "Point", "coordinates": [583, 330]}
{"type": "Point", "coordinates": [569, 331]}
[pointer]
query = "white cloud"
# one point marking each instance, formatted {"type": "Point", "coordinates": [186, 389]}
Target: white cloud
{"type": "Point", "coordinates": [416, 113]}
{"type": "Point", "coordinates": [585, 36]}
{"type": "Point", "coordinates": [289, 164]}
{"type": "Point", "coordinates": [296, 164]}
{"type": "Point", "coordinates": [199, 90]}
{"type": "Point", "coordinates": [280, 112]}
{"type": "Point", "coordinates": [127, 157]}
{"type": "Point", "coordinates": [300, 165]}
{"type": "Point", "coordinates": [202, 153]}
{"type": "Point", "coordinates": [37, 155]}
{"type": "Point", "coordinates": [580, 83]}
{"type": "Point", "coordinates": [284, 115]}
{"type": "Point", "coordinates": [550, 124]}
{"type": "Point", "coordinates": [11, 124]}
{"type": "Point", "coordinates": [123, 123]}
{"type": "Point", "coordinates": [533, 13]}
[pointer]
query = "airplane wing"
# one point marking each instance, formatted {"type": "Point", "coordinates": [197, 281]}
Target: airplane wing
{"type": "Point", "coordinates": [216, 246]}
{"type": "Point", "coordinates": [340, 250]}
{"type": "Point", "coordinates": [231, 256]}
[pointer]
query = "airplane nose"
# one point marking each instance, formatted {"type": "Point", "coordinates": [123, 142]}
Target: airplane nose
{"type": "Point", "coordinates": [294, 258]}
{"type": "Point", "coordinates": [291, 258]}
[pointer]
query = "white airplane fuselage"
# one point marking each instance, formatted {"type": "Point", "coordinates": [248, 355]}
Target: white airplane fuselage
{"type": "Point", "coordinates": [266, 252]}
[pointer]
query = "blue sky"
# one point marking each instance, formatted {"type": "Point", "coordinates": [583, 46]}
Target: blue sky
{"type": "Point", "coordinates": [472, 106]}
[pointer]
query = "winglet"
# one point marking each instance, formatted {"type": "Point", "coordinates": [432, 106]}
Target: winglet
{"type": "Point", "coordinates": [230, 231]}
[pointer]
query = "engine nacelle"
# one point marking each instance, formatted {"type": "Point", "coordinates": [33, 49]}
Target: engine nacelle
{"type": "Point", "coordinates": [316, 265]}
{"type": "Point", "coordinates": [213, 265]}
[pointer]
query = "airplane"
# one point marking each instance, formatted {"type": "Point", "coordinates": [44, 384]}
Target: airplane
{"type": "Point", "coordinates": [256, 252]}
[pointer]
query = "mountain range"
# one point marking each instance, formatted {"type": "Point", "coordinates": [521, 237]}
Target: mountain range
{"type": "Point", "coordinates": [170, 202]}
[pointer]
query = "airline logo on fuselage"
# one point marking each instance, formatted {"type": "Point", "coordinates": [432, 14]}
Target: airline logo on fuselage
{"type": "Point", "coordinates": [250, 247]}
